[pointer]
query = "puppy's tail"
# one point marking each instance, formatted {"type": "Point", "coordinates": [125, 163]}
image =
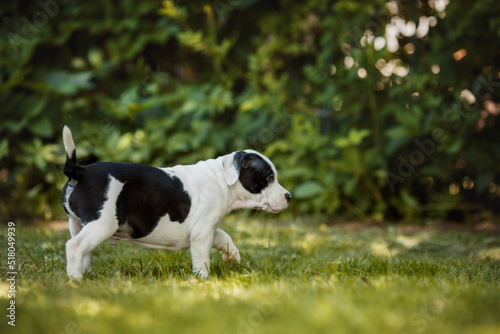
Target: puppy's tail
{"type": "Point", "coordinates": [71, 169]}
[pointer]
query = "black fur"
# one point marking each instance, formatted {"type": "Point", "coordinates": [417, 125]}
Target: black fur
{"type": "Point", "coordinates": [71, 169]}
{"type": "Point", "coordinates": [239, 156]}
{"type": "Point", "coordinates": [254, 171]}
{"type": "Point", "coordinates": [148, 194]}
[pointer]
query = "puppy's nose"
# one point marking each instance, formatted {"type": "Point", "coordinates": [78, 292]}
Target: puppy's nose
{"type": "Point", "coordinates": [288, 196]}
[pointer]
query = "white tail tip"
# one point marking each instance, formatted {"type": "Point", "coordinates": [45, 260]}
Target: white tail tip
{"type": "Point", "coordinates": [69, 145]}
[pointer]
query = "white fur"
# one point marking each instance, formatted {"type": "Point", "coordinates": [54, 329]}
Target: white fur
{"type": "Point", "coordinates": [69, 144]}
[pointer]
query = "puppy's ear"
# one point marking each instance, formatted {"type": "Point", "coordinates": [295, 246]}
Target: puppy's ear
{"type": "Point", "coordinates": [232, 166]}
{"type": "Point", "coordinates": [247, 160]}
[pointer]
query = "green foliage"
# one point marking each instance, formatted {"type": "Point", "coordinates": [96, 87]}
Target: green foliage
{"type": "Point", "coordinates": [294, 278]}
{"type": "Point", "coordinates": [355, 127]}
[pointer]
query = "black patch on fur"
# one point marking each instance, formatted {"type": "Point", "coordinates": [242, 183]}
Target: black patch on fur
{"type": "Point", "coordinates": [71, 169]}
{"type": "Point", "coordinates": [147, 195]}
{"type": "Point", "coordinates": [239, 156]}
{"type": "Point", "coordinates": [254, 172]}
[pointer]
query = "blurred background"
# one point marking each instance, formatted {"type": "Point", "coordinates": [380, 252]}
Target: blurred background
{"type": "Point", "coordinates": [371, 110]}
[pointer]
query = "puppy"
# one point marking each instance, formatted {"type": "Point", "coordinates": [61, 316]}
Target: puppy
{"type": "Point", "coordinates": [169, 208]}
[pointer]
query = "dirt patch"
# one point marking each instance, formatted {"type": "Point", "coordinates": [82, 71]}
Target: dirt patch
{"type": "Point", "coordinates": [57, 225]}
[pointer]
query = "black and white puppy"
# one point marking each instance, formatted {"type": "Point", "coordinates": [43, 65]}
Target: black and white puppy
{"type": "Point", "coordinates": [170, 208]}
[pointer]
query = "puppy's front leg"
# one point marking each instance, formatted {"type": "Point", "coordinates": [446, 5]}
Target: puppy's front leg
{"type": "Point", "coordinates": [201, 244]}
{"type": "Point", "coordinates": [224, 244]}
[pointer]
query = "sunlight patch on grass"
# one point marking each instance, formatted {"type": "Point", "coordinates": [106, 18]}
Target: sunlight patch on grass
{"type": "Point", "coordinates": [4, 289]}
{"type": "Point", "coordinates": [493, 254]}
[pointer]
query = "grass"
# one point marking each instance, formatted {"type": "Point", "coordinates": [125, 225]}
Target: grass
{"type": "Point", "coordinates": [294, 278]}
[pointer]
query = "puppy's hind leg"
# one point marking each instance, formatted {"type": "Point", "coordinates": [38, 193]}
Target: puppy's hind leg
{"type": "Point", "coordinates": [78, 248]}
{"type": "Point", "coordinates": [93, 233]}
{"type": "Point", "coordinates": [75, 226]}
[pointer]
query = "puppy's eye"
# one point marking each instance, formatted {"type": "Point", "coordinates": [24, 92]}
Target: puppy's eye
{"type": "Point", "coordinates": [270, 179]}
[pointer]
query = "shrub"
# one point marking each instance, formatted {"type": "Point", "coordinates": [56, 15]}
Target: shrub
{"type": "Point", "coordinates": [362, 115]}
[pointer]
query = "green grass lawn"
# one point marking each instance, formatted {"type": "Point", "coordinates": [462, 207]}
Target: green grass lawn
{"type": "Point", "coordinates": [294, 278]}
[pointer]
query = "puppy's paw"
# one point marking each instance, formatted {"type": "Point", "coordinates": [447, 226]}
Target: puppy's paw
{"type": "Point", "coordinates": [74, 275]}
{"type": "Point", "coordinates": [201, 273]}
{"type": "Point", "coordinates": [230, 255]}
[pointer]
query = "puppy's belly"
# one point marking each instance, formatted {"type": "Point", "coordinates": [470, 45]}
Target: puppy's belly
{"type": "Point", "coordinates": [166, 235]}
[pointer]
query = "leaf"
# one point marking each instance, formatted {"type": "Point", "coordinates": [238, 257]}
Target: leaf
{"type": "Point", "coordinates": [408, 119]}
{"type": "Point", "coordinates": [308, 189]}
{"type": "Point", "coordinates": [350, 186]}
{"type": "Point", "coordinates": [4, 148]}
{"type": "Point", "coordinates": [252, 103]}
{"type": "Point", "coordinates": [67, 83]}
{"type": "Point", "coordinates": [399, 132]}
{"type": "Point", "coordinates": [395, 144]}
{"type": "Point", "coordinates": [455, 147]}
{"type": "Point", "coordinates": [354, 138]}
{"type": "Point", "coordinates": [408, 199]}
{"type": "Point", "coordinates": [42, 128]}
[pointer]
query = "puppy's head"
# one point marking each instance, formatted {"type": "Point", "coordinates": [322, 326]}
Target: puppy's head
{"type": "Point", "coordinates": [259, 181]}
